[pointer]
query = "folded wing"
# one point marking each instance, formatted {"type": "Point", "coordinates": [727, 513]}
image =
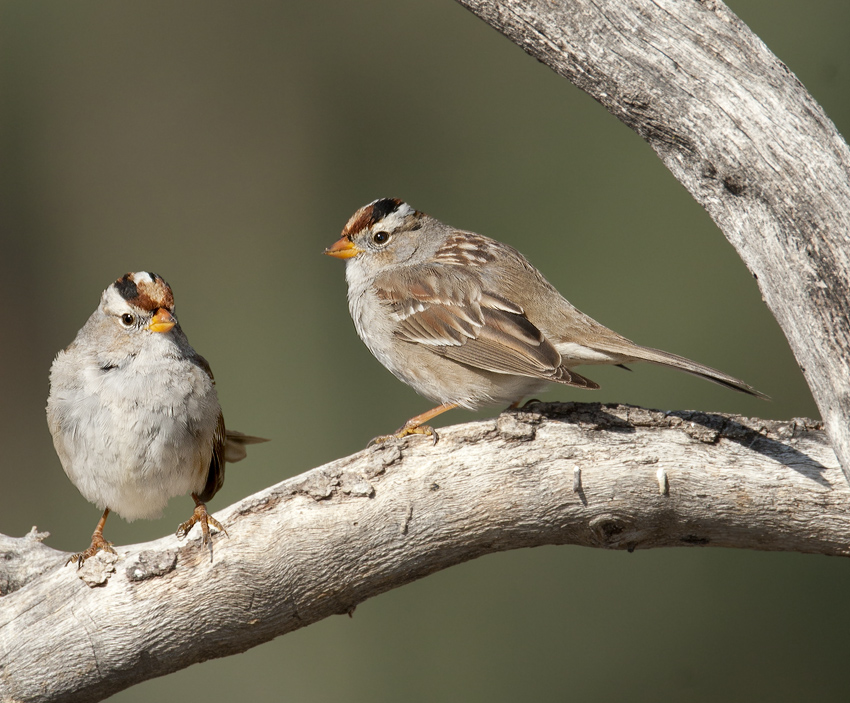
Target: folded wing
{"type": "Point", "coordinates": [451, 314]}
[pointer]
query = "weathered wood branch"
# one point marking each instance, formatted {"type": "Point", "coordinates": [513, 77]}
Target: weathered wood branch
{"type": "Point", "coordinates": [741, 133]}
{"type": "Point", "coordinates": [316, 545]}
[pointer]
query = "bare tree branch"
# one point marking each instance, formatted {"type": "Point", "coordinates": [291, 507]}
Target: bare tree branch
{"type": "Point", "coordinates": [316, 545]}
{"type": "Point", "coordinates": [741, 133]}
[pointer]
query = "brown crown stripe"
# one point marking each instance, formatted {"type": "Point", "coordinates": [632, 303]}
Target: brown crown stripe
{"type": "Point", "coordinates": [369, 215]}
{"type": "Point", "coordinates": [144, 294]}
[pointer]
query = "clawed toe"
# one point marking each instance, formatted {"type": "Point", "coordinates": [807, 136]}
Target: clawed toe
{"type": "Point", "coordinates": [415, 425]}
{"type": "Point", "coordinates": [405, 431]}
{"type": "Point", "coordinates": [527, 403]}
{"type": "Point", "coordinates": [200, 515]}
{"type": "Point", "coordinates": [426, 430]}
{"type": "Point", "coordinates": [98, 544]}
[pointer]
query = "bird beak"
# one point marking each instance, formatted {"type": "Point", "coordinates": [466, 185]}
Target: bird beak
{"type": "Point", "coordinates": [343, 248]}
{"type": "Point", "coordinates": [162, 321]}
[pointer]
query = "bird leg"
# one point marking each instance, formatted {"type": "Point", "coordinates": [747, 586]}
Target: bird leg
{"type": "Point", "coordinates": [415, 425]}
{"type": "Point", "coordinates": [200, 515]}
{"type": "Point", "coordinates": [98, 543]}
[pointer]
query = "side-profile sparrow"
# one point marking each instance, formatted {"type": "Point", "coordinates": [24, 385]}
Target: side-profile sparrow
{"type": "Point", "coordinates": [468, 321]}
{"type": "Point", "coordinates": [134, 413]}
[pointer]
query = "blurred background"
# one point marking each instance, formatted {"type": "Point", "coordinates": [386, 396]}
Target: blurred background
{"type": "Point", "coordinates": [224, 145]}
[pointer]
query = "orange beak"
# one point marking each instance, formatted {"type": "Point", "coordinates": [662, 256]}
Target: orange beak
{"type": "Point", "coordinates": [162, 321]}
{"type": "Point", "coordinates": [343, 248]}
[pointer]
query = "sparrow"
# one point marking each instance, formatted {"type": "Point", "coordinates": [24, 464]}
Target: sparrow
{"type": "Point", "coordinates": [467, 321]}
{"type": "Point", "coordinates": [134, 414]}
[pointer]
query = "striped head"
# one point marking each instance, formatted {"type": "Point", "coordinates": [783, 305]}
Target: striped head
{"type": "Point", "coordinates": [140, 300]}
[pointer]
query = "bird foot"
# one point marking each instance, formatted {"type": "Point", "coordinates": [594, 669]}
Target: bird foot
{"type": "Point", "coordinates": [202, 516]}
{"type": "Point", "coordinates": [404, 431]}
{"type": "Point", "coordinates": [519, 405]}
{"type": "Point", "coordinates": [98, 544]}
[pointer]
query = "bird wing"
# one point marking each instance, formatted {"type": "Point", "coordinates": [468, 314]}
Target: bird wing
{"type": "Point", "coordinates": [447, 310]}
{"type": "Point", "coordinates": [228, 445]}
{"type": "Point", "coordinates": [215, 477]}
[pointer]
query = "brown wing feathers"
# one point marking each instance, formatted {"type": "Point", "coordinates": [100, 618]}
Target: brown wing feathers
{"type": "Point", "coordinates": [215, 477]}
{"type": "Point", "coordinates": [456, 319]}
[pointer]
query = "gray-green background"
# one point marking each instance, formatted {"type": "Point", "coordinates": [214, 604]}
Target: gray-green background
{"type": "Point", "coordinates": [223, 145]}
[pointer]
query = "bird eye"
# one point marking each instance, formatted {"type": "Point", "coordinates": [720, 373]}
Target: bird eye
{"type": "Point", "coordinates": [381, 237]}
{"type": "Point", "coordinates": [127, 319]}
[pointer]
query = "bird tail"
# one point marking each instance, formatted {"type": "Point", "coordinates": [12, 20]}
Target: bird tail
{"type": "Point", "coordinates": [234, 448]}
{"type": "Point", "coordinates": [656, 356]}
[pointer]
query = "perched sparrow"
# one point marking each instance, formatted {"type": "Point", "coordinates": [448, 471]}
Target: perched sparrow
{"type": "Point", "coordinates": [468, 321]}
{"type": "Point", "coordinates": [134, 413]}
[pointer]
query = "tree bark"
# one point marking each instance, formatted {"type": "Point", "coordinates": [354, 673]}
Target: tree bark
{"type": "Point", "coordinates": [741, 133]}
{"type": "Point", "coordinates": [609, 476]}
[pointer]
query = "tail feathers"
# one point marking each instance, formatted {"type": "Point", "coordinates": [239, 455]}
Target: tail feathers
{"type": "Point", "coordinates": [234, 448]}
{"type": "Point", "coordinates": [656, 356]}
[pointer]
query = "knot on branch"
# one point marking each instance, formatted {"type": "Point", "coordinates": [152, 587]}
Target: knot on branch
{"type": "Point", "coordinates": [613, 531]}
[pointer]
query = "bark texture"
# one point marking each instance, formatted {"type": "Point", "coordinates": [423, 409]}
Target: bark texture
{"type": "Point", "coordinates": [616, 477]}
{"type": "Point", "coordinates": [741, 133]}
{"type": "Point", "coordinates": [735, 126]}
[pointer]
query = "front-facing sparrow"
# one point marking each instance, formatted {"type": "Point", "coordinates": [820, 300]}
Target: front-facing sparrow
{"type": "Point", "coordinates": [468, 321]}
{"type": "Point", "coordinates": [134, 413]}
